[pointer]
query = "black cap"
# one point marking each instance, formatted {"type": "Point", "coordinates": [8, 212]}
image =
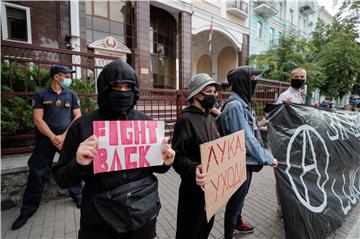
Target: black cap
{"type": "Point", "coordinates": [56, 69]}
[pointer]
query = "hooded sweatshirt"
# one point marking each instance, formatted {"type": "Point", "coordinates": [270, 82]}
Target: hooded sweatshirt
{"type": "Point", "coordinates": [240, 80]}
{"type": "Point", "coordinates": [237, 114]}
{"type": "Point", "coordinates": [68, 172]}
{"type": "Point", "coordinates": [192, 128]}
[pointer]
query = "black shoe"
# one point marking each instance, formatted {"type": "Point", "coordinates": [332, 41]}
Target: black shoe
{"type": "Point", "coordinates": [78, 203]}
{"type": "Point", "coordinates": [19, 222]}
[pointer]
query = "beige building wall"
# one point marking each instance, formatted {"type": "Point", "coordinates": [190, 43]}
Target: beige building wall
{"type": "Point", "coordinates": [226, 62]}
{"type": "Point", "coordinates": [204, 65]}
{"type": "Point", "coordinates": [208, 7]}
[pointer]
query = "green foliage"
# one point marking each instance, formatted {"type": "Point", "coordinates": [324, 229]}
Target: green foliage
{"type": "Point", "coordinates": [337, 52]}
{"type": "Point", "coordinates": [20, 77]}
{"type": "Point", "coordinates": [16, 113]}
{"type": "Point", "coordinates": [87, 102]}
{"type": "Point", "coordinates": [290, 54]}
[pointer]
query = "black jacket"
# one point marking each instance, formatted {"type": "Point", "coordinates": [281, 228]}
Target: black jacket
{"type": "Point", "coordinates": [192, 128]}
{"type": "Point", "coordinates": [68, 172]}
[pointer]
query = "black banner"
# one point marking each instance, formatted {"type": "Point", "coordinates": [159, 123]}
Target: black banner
{"type": "Point", "coordinates": [318, 177]}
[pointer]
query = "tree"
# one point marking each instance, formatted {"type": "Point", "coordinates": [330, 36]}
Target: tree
{"type": "Point", "coordinates": [290, 54]}
{"type": "Point", "coordinates": [337, 52]}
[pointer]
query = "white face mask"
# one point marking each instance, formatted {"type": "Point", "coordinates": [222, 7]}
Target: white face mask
{"type": "Point", "coordinates": [66, 83]}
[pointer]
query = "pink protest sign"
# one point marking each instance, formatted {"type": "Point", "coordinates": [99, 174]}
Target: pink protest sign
{"type": "Point", "coordinates": [128, 144]}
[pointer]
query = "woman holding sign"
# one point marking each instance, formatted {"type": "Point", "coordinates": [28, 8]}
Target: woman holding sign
{"type": "Point", "coordinates": [120, 197]}
{"type": "Point", "coordinates": [195, 126]}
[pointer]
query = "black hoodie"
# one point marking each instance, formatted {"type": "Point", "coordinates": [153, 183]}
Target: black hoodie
{"type": "Point", "coordinates": [68, 172]}
{"type": "Point", "coordinates": [240, 80]}
{"type": "Point", "coordinates": [192, 128]}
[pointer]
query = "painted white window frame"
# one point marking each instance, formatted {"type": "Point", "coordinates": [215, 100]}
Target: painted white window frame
{"type": "Point", "coordinates": [259, 30]}
{"type": "Point", "coordinates": [4, 21]}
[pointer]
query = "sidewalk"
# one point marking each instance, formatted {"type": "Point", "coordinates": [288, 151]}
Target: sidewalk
{"type": "Point", "coordinates": [60, 218]}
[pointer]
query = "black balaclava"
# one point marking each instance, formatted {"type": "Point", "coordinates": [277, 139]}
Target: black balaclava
{"type": "Point", "coordinates": [115, 72]}
{"type": "Point", "coordinates": [240, 80]}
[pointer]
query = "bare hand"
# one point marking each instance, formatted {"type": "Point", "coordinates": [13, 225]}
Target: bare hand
{"type": "Point", "coordinates": [200, 177]}
{"type": "Point", "coordinates": [274, 163]}
{"type": "Point", "coordinates": [215, 111]}
{"type": "Point", "coordinates": [168, 154]}
{"type": "Point", "coordinates": [287, 100]}
{"type": "Point", "coordinates": [58, 141]}
{"type": "Point", "coordinates": [87, 150]}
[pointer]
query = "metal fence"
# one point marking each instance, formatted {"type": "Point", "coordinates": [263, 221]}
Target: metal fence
{"type": "Point", "coordinates": [25, 69]}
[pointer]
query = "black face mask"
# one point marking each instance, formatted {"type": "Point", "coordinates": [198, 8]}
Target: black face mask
{"type": "Point", "coordinates": [297, 83]}
{"type": "Point", "coordinates": [208, 102]}
{"type": "Point", "coordinates": [253, 86]}
{"type": "Point", "coordinates": [121, 101]}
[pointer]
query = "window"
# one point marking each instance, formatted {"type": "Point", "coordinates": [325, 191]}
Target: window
{"type": "Point", "coordinates": [281, 10]}
{"type": "Point", "coordinates": [163, 52]}
{"type": "Point", "coordinates": [101, 8]}
{"type": "Point", "coordinates": [16, 26]}
{"type": "Point", "coordinates": [258, 30]}
{"type": "Point", "coordinates": [291, 16]}
{"type": "Point", "coordinates": [272, 32]}
{"type": "Point", "coordinates": [304, 25]}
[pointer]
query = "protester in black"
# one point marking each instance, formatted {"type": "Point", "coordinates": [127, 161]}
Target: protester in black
{"type": "Point", "coordinates": [120, 204]}
{"type": "Point", "coordinates": [194, 126]}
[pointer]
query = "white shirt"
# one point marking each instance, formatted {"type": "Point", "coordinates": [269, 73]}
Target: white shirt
{"type": "Point", "coordinates": [293, 94]}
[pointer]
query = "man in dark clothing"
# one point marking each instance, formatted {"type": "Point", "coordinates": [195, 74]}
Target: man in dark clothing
{"type": "Point", "coordinates": [238, 114]}
{"type": "Point", "coordinates": [195, 126]}
{"type": "Point", "coordinates": [54, 108]}
{"type": "Point", "coordinates": [119, 204]}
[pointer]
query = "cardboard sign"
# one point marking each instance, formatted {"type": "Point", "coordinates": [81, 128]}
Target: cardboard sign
{"type": "Point", "coordinates": [224, 162]}
{"type": "Point", "coordinates": [128, 144]}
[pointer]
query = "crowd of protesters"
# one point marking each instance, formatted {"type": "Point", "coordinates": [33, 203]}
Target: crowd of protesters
{"type": "Point", "coordinates": [106, 210]}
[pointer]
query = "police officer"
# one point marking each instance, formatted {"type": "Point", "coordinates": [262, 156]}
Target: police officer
{"type": "Point", "coordinates": [54, 109]}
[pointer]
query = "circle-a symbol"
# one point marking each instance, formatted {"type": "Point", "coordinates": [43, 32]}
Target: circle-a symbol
{"type": "Point", "coordinates": [309, 137]}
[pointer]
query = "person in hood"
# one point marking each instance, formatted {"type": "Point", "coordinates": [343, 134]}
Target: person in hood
{"type": "Point", "coordinates": [119, 204]}
{"type": "Point", "coordinates": [193, 127]}
{"type": "Point", "coordinates": [293, 93]}
{"type": "Point", "coordinates": [238, 114]}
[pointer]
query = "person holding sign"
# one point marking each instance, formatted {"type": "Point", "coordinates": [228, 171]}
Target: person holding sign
{"type": "Point", "coordinates": [194, 127]}
{"type": "Point", "coordinates": [238, 114]}
{"type": "Point", "coordinates": [121, 202]}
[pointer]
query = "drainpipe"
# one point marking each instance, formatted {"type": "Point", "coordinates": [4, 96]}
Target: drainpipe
{"type": "Point", "coordinates": [75, 34]}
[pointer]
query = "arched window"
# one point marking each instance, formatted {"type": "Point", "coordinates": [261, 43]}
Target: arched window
{"type": "Point", "coordinates": [163, 48]}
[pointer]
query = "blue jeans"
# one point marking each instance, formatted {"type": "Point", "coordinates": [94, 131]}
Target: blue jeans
{"type": "Point", "coordinates": [234, 206]}
{"type": "Point", "coordinates": [40, 164]}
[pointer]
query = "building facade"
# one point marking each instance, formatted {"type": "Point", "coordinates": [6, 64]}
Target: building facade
{"type": "Point", "coordinates": [271, 19]}
{"type": "Point", "coordinates": [166, 41]}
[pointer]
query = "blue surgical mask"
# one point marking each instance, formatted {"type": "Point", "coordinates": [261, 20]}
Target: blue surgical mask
{"type": "Point", "coordinates": [66, 83]}
{"type": "Point", "coordinates": [355, 101]}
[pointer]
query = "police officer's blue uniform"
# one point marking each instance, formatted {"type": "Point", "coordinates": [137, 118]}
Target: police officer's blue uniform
{"type": "Point", "coordinates": [58, 116]}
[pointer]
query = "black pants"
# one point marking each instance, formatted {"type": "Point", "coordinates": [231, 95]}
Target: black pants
{"type": "Point", "coordinates": [235, 205]}
{"type": "Point", "coordinates": [40, 164]}
{"type": "Point", "coordinates": [147, 232]}
{"type": "Point", "coordinates": [191, 215]}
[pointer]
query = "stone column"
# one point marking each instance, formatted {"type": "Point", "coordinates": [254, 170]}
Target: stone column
{"type": "Point", "coordinates": [184, 49]}
{"type": "Point", "coordinates": [244, 54]}
{"type": "Point", "coordinates": [142, 51]}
